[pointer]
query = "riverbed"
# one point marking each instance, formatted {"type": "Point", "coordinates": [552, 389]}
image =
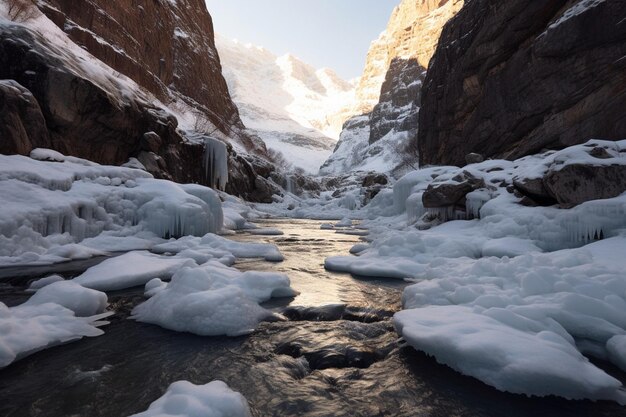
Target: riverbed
{"type": "Point", "coordinates": [332, 352]}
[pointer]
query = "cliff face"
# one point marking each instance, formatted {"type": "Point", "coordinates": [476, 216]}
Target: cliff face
{"type": "Point", "coordinates": [412, 33]}
{"type": "Point", "coordinates": [164, 46]}
{"type": "Point", "coordinates": [389, 91]}
{"type": "Point", "coordinates": [57, 95]}
{"type": "Point", "coordinates": [511, 78]}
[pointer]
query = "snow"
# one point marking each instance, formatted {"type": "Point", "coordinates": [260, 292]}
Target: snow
{"type": "Point", "coordinates": [506, 352]}
{"type": "Point", "coordinates": [532, 286]}
{"type": "Point", "coordinates": [184, 399]}
{"type": "Point", "coordinates": [57, 208]}
{"type": "Point", "coordinates": [29, 329]}
{"type": "Point", "coordinates": [130, 270]}
{"type": "Point", "coordinates": [84, 302]}
{"type": "Point", "coordinates": [42, 282]}
{"type": "Point", "coordinates": [296, 109]}
{"type": "Point", "coordinates": [212, 299]}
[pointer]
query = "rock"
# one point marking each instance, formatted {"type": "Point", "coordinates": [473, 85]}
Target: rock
{"type": "Point", "coordinates": [600, 153]}
{"type": "Point", "coordinates": [177, 56]}
{"type": "Point", "coordinates": [374, 178]}
{"type": "Point", "coordinates": [474, 158]}
{"type": "Point", "coordinates": [22, 125]}
{"type": "Point", "coordinates": [151, 142]}
{"type": "Point", "coordinates": [389, 91]}
{"type": "Point", "coordinates": [511, 78]}
{"type": "Point", "coordinates": [452, 192]}
{"type": "Point", "coordinates": [534, 190]}
{"type": "Point", "coordinates": [577, 183]}
{"type": "Point", "coordinates": [264, 190]}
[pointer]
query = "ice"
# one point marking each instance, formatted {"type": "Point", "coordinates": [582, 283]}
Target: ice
{"type": "Point", "coordinates": [42, 282]}
{"type": "Point", "coordinates": [212, 299]}
{"type": "Point", "coordinates": [184, 399]}
{"type": "Point", "coordinates": [345, 222]}
{"type": "Point", "coordinates": [27, 329]}
{"type": "Point", "coordinates": [63, 208]}
{"type": "Point", "coordinates": [266, 231]}
{"type": "Point", "coordinates": [216, 162]}
{"type": "Point", "coordinates": [616, 348]}
{"type": "Point", "coordinates": [84, 302]}
{"type": "Point", "coordinates": [523, 361]}
{"type": "Point", "coordinates": [130, 270]}
{"type": "Point", "coordinates": [215, 246]}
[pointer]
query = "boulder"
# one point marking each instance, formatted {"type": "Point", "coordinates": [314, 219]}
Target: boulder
{"type": "Point", "coordinates": [151, 142]}
{"type": "Point", "coordinates": [374, 178]}
{"type": "Point", "coordinates": [451, 192]}
{"type": "Point", "coordinates": [22, 125]}
{"type": "Point", "coordinates": [474, 158]}
{"type": "Point", "coordinates": [576, 183]}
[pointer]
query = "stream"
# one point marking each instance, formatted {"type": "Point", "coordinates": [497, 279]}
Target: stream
{"type": "Point", "coordinates": [336, 354]}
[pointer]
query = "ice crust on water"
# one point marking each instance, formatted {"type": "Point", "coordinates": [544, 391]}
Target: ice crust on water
{"type": "Point", "coordinates": [524, 361]}
{"type": "Point", "coordinates": [130, 270]}
{"type": "Point", "coordinates": [58, 313]}
{"type": "Point", "coordinates": [212, 300]}
{"type": "Point", "coordinates": [184, 399]}
{"type": "Point", "coordinates": [54, 201]}
{"type": "Point", "coordinates": [84, 302]}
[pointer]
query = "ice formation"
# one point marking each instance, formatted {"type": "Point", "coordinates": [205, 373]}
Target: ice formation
{"type": "Point", "coordinates": [29, 329]}
{"type": "Point", "coordinates": [84, 302]}
{"type": "Point", "coordinates": [130, 270]}
{"type": "Point", "coordinates": [184, 399]}
{"type": "Point", "coordinates": [216, 162]}
{"type": "Point", "coordinates": [212, 299]}
{"type": "Point", "coordinates": [51, 202]}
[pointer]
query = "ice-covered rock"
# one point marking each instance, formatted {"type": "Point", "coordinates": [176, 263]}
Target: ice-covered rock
{"type": "Point", "coordinates": [84, 302]}
{"type": "Point", "coordinates": [212, 300]}
{"type": "Point", "coordinates": [184, 399]}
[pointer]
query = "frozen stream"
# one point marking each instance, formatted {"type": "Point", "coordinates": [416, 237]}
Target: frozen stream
{"type": "Point", "coordinates": [337, 355]}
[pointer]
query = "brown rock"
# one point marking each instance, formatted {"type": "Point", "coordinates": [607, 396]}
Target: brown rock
{"type": "Point", "coordinates": [450, 193]}
{"type": "Point", "coordinates": [22, 125]}
{"type": "Point", "coordinates": [576, 183]}
{"type": "Point", "coordinates": [151, 142]}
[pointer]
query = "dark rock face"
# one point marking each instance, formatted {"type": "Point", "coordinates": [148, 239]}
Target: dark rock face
{"type": "Point", "coordinates": [166, 47]}
{"type": "Point", "coordinates": [398, 106]}
{"type": "Point", "coordinates": [511, 78]}
{"type": "Point", "coordinates": [22, 126]}
{"type": "Point", "coordinates": [574, 184]}
{"type": "Point", "coordinates": [450, 193]}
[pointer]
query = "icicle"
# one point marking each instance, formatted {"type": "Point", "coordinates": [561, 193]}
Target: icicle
{"type": "Point", "coordinates": [475, 201]}
{"type": "Point", "coordinates": [289, 185]}
{"type": "Point", "coordinates": [216, 163]}
{"type": "Point", "coordinates": [414, 208]}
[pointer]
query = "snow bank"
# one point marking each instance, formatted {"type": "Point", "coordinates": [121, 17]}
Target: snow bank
{"type": "Point", "coordinates": [184, 399]}
{"type": "Point", "coordinates": [53, 207]}
{"type": "Point", "coordinates": [212, 300]}
{"type": "Point", "coordinates": [513, 356]}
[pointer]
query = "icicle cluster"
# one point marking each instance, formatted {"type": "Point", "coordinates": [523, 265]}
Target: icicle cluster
{"type": "Point", "coordinates": [216, 163]}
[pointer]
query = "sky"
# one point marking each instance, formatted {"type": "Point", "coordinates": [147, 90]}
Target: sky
{"type": "Point", "coordinates": [322, 33]}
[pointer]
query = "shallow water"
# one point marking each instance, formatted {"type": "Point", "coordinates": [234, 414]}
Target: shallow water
{"type": "Point", "coordinates": [337, 355]}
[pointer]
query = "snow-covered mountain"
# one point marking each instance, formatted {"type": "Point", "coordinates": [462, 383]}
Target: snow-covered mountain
{"type": "Point", "coordinates": [296, 109]}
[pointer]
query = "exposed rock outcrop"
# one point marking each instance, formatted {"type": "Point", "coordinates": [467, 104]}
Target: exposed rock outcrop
{"type": "Point", "coordinates": [512, 78]}
{"type": "Point", "coordinates": [166, 47]}
{"type": "Point", "coordinates": [22, 126]}
{"type": "Point", "coordinates": [389, 91]}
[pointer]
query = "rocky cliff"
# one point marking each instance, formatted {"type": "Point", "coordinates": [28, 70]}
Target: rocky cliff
{"type": "Point", "coordinates": [511, 78]}
{"type": "Point", "coordinates": [389, 91]}
{"type": "Point", "coordinates": [164, 46]}
{"type": "Point", "coordinates": [57, 94]}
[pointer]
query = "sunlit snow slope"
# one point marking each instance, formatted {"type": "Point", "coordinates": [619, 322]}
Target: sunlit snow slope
{"type": "Point", "coordinates": [294, 108]}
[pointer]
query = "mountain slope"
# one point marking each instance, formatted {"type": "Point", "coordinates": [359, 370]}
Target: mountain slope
{"type": "Point", "coordinates": [382, 134]}
{"type": "Point", "coordinates": [293, 107]}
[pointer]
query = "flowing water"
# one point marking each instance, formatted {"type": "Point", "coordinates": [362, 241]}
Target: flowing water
{"type": "Point", "coordinates": [335, 355]}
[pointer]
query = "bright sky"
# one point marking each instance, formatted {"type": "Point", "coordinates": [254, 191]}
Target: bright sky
{"type": "Point", "coordinates": [323, 33]}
